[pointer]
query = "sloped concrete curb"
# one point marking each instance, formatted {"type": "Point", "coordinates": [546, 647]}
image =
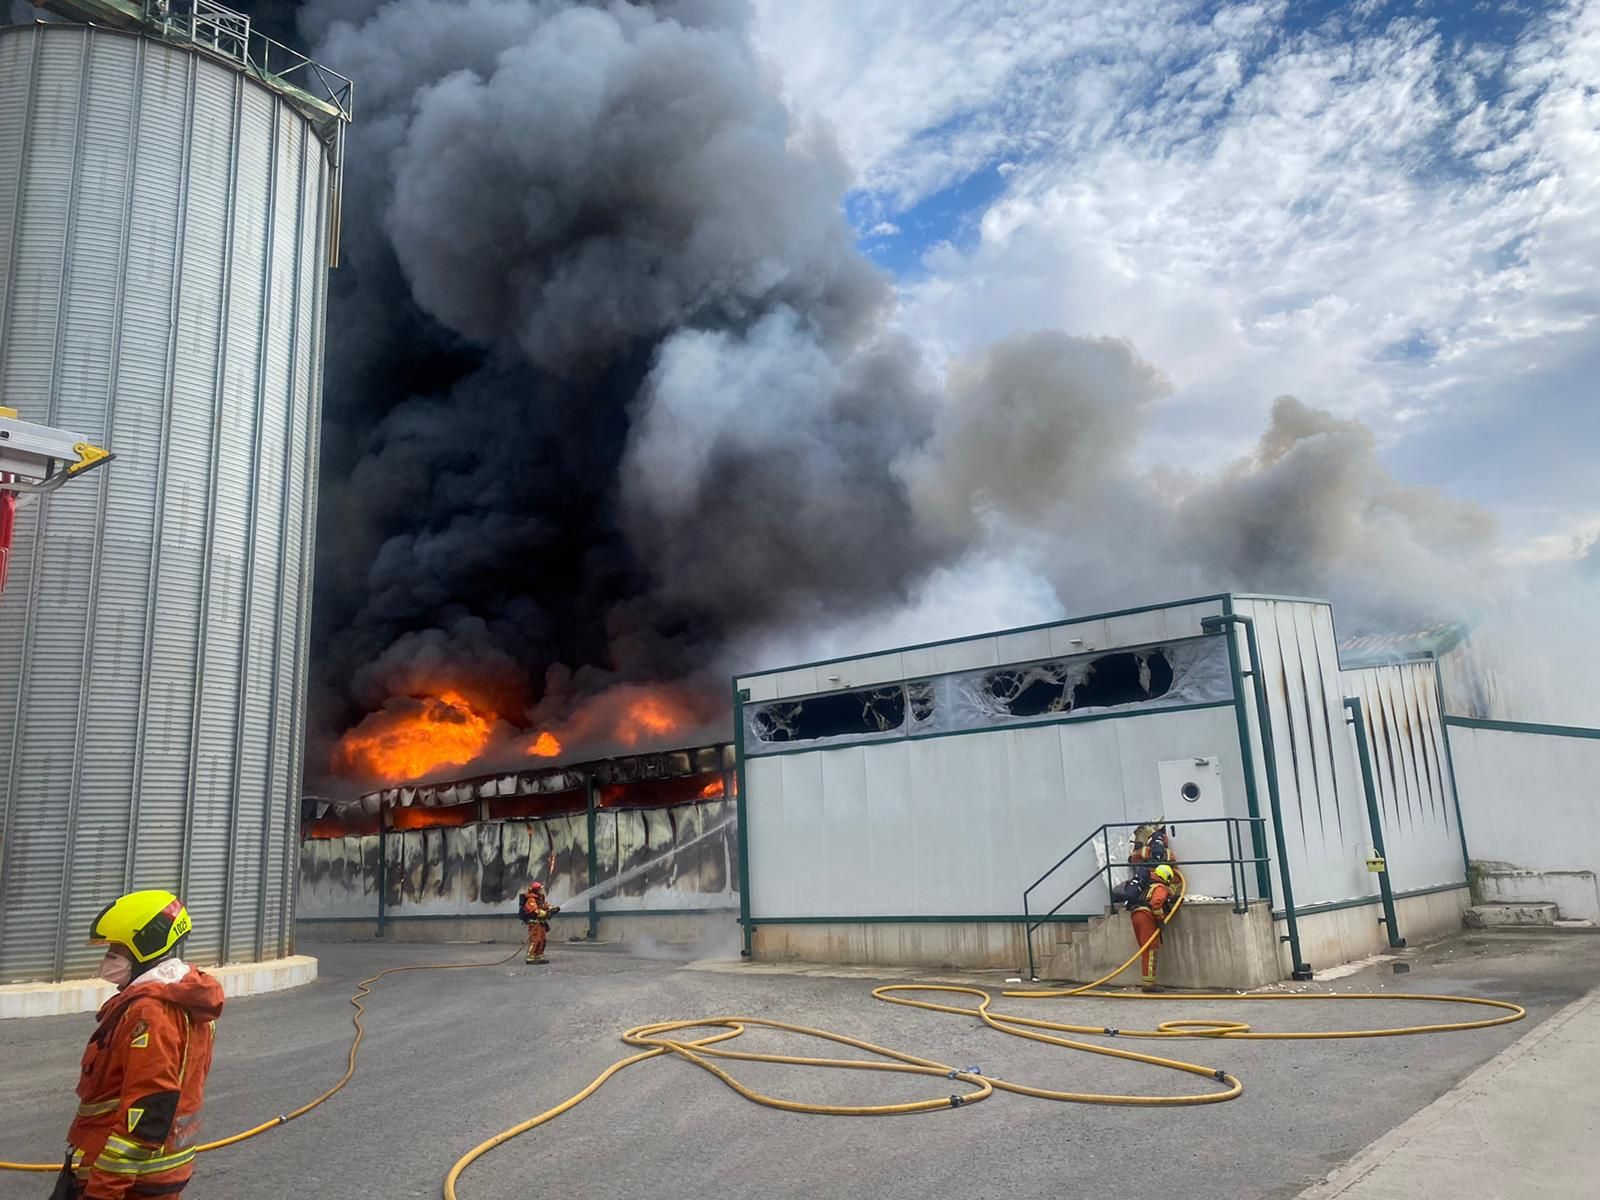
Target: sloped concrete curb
{"type": "Point", "coordinates": [86, 995]}
{"type": "Point", "coordinates": [1515, 1128]}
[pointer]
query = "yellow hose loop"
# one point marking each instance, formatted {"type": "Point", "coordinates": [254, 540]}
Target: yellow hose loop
{"type": "Point", "coordinates": [892, 993]}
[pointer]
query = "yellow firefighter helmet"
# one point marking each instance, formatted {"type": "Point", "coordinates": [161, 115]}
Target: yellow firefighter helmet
{"type": "Point", "coordinates": [149, 925]}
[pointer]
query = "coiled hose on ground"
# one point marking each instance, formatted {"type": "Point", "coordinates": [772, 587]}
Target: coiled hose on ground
{"type": "Point", "coordinates": [658, 1039]}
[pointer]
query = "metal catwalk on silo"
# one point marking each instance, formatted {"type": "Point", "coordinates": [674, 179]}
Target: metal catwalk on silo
{"type": "Point", "coordinates": [168, 197]}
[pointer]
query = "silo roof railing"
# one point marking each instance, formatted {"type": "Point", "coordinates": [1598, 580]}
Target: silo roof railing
{"type": "Point", "coordinates": [322, 94]}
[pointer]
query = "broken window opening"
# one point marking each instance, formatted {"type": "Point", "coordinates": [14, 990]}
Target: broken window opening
{"type": "Point", "coordinates": [1028, 693]}
{"type": "Point", "coordinates": [1123, 679]}
{"type": "Point", "coordinates": [1043, 689]}
{"type": "Point", "coordinates": [867, 711]}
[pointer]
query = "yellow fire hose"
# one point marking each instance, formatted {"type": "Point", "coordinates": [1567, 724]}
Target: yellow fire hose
{"type": "Point", "coordinates": [699, 1051]}
{"type": "Point", "coordinates": [657, 1040]}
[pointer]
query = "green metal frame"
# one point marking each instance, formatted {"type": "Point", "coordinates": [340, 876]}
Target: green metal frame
{"type": "Point", "coordinates": [739, 697]}
{"type": "Point", "coordinates": [1358, 720]}
{"type": "Point", "coordinates": [1247, 759]}
{"type": "Point", "coordinates": [383, 870]}
{"type": "Point", "coordinates": [1571, 731]}
{"type": "Point", "coordinates": [594, 857]}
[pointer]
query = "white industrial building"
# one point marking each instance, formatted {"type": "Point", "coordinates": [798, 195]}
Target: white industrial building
{"type": "Point", "coordinates": [896, 806]}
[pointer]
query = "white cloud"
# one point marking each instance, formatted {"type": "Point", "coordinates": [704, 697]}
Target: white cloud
{"type": "Point", "coordinates": [1399, 222]}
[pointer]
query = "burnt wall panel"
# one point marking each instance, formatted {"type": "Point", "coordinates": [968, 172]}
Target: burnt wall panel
{"type": "Point", "coordinates": [658, 858]}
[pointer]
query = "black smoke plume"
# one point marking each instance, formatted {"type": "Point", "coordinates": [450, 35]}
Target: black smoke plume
{"type": "Point", "coordinates": [610, 390]}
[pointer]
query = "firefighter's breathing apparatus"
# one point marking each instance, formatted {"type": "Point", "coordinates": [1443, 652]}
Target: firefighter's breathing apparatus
{"type": "Point", "coordinates": [666, 1037]}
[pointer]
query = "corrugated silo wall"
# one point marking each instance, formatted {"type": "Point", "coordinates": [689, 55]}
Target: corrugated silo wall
{"type": "Point", "coordinates": [162, 283]}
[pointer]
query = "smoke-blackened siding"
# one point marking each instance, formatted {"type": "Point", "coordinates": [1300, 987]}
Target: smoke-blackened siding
{"type": "Point", "coordinates": [1325, 823]}
{"type": "Point", "coordinates": [1410, 774]}
{"type": "Point", "coordinates": [478, 869]}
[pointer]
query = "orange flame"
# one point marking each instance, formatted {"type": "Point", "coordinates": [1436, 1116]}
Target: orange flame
{"type": "Point", "coordinates": [396, 746]}
{"type": "Point", "coordinates": [650, 715]}
{"type": "Point", "coordinates": [714, 790]}
{"type": "Point", "coordinates": [546, 745]}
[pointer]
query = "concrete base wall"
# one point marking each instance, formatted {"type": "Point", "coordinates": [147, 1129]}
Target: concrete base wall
{"type": "Point", "coordinates": [1209, 945]}
{"type": "Point", "coordinates": [971, 944]}
{"type": "Point", "coordinates": [1575, 893]}
{"type": "Point", "coordinates": [1348, 934]}
{"type": "Point", "coordinates": [87, 995]}
{"type": "Point", "coordinates": [713, 932]}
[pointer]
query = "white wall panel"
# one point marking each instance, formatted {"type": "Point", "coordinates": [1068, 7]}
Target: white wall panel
{"type": "Point", "coordinates": [1530, 802]}
{"type": "Point", "coordinates": [1422, 837]}
{"type": "Point", "coordinates": [960, 825]}
{"type": "Point", "coordinates": [1021, 647]}
{"type": "Point", "coordinates": [845, 859]}
{"type": "Point", "coordinates": [1320, 791]}
{"type": "Point", "coordinates": [1183, 620]}
{"type": "Point", "coordinates": [894, 832]}
{"type": "Point", "coordinates": [1133, 629]}
{"type": "Point", "coordinates": [802, 681]}
{"type": "Point", "coordinates": [863, 672]}
{"type": "Point", "coordinates": [1076, 637]}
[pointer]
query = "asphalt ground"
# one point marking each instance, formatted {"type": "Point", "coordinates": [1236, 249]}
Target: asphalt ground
{"type": "Point", "coordinates": [452, 1057]}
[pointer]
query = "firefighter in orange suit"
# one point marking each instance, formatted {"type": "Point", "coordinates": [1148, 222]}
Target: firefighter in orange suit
{"type": "Point", "coordinates": [1149, 914]}
{"type": "Point", "coordinates": [144, 1072]}
{"type": "Point", "coordinates": [536, 911]}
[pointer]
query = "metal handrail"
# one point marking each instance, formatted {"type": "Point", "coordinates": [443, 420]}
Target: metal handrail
{"type": "Point", "coordinates": [220, 30]}
{"type": "Point", "coordinates": [1235, 862]}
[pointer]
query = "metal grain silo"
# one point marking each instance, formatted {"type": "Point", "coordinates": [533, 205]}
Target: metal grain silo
{"type": "Point", "coordinates": [168, 203]}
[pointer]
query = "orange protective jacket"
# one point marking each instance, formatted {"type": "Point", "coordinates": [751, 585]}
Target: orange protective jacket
{"type": "Point", "coordinates": [535, 907]}
{"type": "Point", "coordinates": [143, 1082]}
{"type": "Point", "coordinates": [1155, 899]}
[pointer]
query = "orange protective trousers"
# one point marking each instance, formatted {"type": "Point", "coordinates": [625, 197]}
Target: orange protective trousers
{"type": "Point", "coordinates": [537, 934]}
{"type": "Point", "coordinates": [1145, 923]}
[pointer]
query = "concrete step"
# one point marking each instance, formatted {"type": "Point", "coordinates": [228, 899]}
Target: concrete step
{"type": "Point", "coordinates": [1499, 916]}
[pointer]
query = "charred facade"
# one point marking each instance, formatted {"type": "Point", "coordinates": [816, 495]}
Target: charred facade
{"type": "Point", "coordinates": [659, 827]}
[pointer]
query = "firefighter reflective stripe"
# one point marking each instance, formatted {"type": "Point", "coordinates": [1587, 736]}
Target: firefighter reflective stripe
{"type": "Point", "coordinates": [123, 1148]}
{"type": "Point", "coordinates": [122, 1157]}
{"type": "Point", "coordinates": [99, 1108]}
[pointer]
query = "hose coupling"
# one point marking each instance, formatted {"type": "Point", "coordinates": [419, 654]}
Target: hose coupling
{"type": "Point", "coordinates": [956, 1101]}
{"type": "Point", "coordinates": [1220, 1075]}
{"type": "Point", "coordinates": [1109, 1032]}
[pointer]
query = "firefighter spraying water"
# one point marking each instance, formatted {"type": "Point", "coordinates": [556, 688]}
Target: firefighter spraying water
{"type": "Point", "coordinates": [535, 909]}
